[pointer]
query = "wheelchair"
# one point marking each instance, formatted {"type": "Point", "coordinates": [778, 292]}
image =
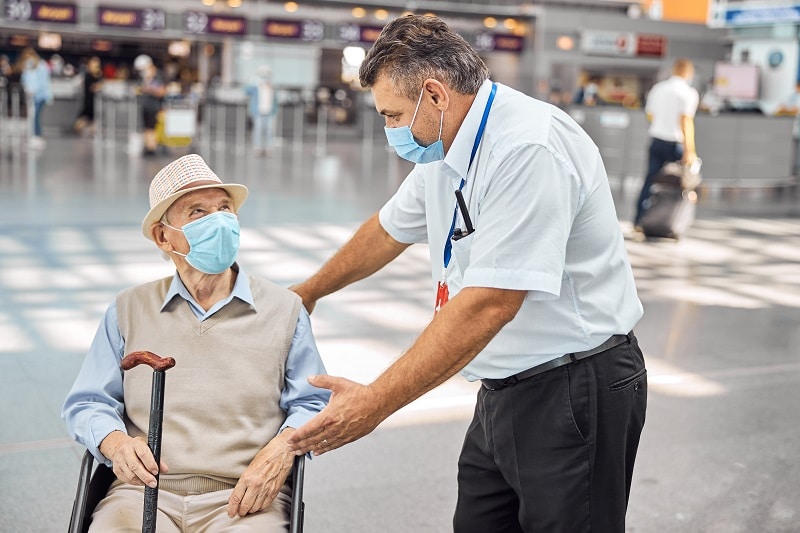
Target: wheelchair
{"type": "Point", "coordinates": [92, 487]}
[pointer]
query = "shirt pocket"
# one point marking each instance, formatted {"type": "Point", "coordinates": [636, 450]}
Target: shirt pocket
{"type": "Point", "coordinates": [461, 252]}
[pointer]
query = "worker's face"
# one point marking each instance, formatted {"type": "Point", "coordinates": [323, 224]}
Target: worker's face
{"type": "Point", "coordinates": [398, 111]}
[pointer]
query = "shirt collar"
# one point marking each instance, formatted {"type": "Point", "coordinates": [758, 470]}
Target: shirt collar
{"type": "Point", "coordinates": [457, 157]}
{"type": "Point", "coordinates": [241, 289]}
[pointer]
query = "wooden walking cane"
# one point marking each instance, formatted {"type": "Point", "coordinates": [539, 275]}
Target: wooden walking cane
{"type": "Point", "coordinates": [160, 366]}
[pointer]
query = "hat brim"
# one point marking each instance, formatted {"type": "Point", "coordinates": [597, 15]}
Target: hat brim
{"type": "Point", "coordinates": [237, 192]}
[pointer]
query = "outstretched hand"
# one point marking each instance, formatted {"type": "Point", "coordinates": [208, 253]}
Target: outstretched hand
{"type": "Point", "coordinates": [351, 413]}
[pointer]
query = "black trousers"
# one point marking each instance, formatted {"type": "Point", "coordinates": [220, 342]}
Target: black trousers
{"type": "Point", "coordinates": [660, 153]}
{"type": "Point", "coordinates": [555, 452]}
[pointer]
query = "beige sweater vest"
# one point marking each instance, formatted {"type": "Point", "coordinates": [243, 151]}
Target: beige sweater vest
{"type": "Point", "coordinates": [221, 400]}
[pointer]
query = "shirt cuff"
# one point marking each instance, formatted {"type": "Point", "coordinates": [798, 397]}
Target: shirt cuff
{"type": "Point", "coordinates": [540, 285]}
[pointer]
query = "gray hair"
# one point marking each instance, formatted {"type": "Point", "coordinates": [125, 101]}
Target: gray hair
{"type": "Point", "coordinates": [413, 48]}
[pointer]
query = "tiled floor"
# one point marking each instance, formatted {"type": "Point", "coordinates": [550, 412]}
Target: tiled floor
{"type": "Point", "coordinates": [721, 334]}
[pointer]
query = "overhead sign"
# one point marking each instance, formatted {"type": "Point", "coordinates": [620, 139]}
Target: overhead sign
{"type": "Point", "coordinates": [626, 44]}
{"type": "Point", "coordinates": [27, 10]}
{"type": "Point", "coordinates": [608, 43]}
{"type": "Point", "coordinates": [143, 19]}
{"type": "Point", "coordinates": [498, 42]}
{"type": "Point", "coordinates": [197, 22]}
{"type": "Point", "coordinates": [356, 33]}
{"type": "Point", "coordinates": [651, 45]}
{"type": "Point", "coordinates": [761, 16]}
{"type": "Point", "coordinates": [305, 30]}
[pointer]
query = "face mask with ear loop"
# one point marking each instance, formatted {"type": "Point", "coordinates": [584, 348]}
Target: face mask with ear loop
{"type": "Point", "coordinates": [407, 146]}
{"type": "Point", "coordinates": [213, 242]}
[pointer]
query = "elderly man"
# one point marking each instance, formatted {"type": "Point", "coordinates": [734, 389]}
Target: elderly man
{"type": "Point", "coordinates": [244, 349]}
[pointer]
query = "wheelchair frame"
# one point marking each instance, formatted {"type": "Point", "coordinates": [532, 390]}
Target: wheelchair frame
{"type": "Point", "coordinates": [92, 487]}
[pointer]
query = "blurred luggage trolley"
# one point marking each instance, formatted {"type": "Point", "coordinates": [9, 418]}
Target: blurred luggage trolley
{"type": "Point", "coordinates": [177, 123]}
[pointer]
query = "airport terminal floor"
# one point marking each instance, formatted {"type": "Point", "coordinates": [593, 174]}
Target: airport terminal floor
{"type": "Point", "coordinates": [719, 452]}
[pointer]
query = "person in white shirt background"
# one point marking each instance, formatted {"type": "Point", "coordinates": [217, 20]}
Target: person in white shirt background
{"type": "Point", "coordinates": [535, 294]}
{"type": "Point", "coordinates": [670, 107]}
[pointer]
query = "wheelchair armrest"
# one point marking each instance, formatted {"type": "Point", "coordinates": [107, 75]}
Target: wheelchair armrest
{"type": "Point", "coordinates": [92, 487]}
{"type": "Point", "coordinates": [298, 507]}
{"type": "Point", "coordinates": [78, 518]}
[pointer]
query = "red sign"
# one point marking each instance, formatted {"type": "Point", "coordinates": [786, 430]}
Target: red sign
{"type": "Point", "coordinates": [651, 45]}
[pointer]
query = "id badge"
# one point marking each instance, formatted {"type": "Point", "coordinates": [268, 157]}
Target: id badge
{"type": "Point", "coordinates": [442, 295]}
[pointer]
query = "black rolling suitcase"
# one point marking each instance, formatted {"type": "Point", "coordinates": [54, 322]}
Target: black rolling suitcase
{"type": "Point", "coordinates": [670, 209]}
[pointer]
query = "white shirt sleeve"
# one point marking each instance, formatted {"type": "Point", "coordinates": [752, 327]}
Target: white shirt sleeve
{"type": "Point", "coordinates": [690, 103]}
{"type": "Point", "coordinates": [523, 224]}
{"type": "Point", "coordinates": [403, 216]}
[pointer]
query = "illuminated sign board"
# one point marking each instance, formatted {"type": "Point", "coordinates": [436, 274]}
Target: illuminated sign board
{"type": "Point", "coordinates": [355, 33]}
{"type": "Point", "coordinates": [305, 30]}
{"type": "Point", "coordinates": [498, 42]}
{"type": "Point", "coordinates": [25, 10]}
{"type": "Point", "coordinates": [198, 22]}
{"type": "Point", "coordinates": [609, 43]}
{"type": "Point", "coordinates": [651, 45]}
{"type": "Point", "coordinates": [143, 19]}
{"type": "Point", "coordinates": [762, 16]}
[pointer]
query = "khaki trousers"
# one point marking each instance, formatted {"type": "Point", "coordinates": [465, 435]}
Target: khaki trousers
{"type": "Point", "coordinates": [121, 512]}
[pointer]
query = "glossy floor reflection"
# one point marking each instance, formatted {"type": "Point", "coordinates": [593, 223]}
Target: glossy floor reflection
{"type": "Point", "coordinates": [721, 334]}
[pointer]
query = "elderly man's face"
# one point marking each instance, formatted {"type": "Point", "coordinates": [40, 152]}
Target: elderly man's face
{"type": "Point", "coordinates": [193, 206]}
{"type": "Point", "coordinates": [198, 204]}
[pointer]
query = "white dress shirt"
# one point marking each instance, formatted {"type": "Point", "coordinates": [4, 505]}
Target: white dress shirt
{"type": "Point", "coordinates": [544, 220]}
{"type": "Point", "coordinates": [667, 102]}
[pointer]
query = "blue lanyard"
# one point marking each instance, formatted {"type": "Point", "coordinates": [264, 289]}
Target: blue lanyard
{"type": "Point", "coordinates": [448, 245]}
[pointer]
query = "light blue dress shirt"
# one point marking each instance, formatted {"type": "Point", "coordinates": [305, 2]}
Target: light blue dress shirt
{"type": "Point", "coordinates": [94, 406]}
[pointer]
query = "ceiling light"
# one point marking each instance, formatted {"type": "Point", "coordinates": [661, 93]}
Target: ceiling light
{"type": "Point", "coordinates": [234, 3]}
{"type": "Point", "coordinates": [510, 24]}
{"type": "Point", "coordinates": [359, 12]}
{"type": "Point", "coordinates": [290, 7]}
{"type": "Point", "coordinates": [381, 14]}
{"type": "Point", "coordinates": [490, 22]}
{"type": "Point", "coordinates": [208, 2]}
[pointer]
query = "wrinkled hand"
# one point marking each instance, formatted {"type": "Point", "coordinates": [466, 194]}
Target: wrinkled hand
{"type": "Point", "coordinates": [350, 414]}
{"type": "Point", "coordinates": [262, 480]}
{"type": "Point", "coordinates": [133, 461]}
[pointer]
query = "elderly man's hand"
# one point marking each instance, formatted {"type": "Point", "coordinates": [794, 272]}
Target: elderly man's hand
{"type": "Point", "coordinates": [262, 480]}
{"type": "Point", "coordinates": [133, 461]}
{"type": "Point", "coordinates": [350, 414]}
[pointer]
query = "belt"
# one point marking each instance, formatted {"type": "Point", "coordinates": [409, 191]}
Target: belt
{"type": "Point", "coordinates": [612, 342]}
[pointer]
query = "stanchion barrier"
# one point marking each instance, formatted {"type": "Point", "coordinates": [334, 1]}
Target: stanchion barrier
{"type": "Point", "coordinates": [322, 129]}
{"type": "Point", "coordinates": [3, 115]}
{"type": "Point", "coordinates": [220, 103]}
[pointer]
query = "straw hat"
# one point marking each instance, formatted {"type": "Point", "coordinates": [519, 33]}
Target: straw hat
{"type": "Point", "coordinates": [184, 175]}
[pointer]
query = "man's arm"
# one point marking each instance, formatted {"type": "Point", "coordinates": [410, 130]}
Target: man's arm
{"type": "Point", "coordinates": [368, 250]}
{"type": "Point", "coordinates": [462, 328]}
{"type": "Point", "coordinates": [687, 127]}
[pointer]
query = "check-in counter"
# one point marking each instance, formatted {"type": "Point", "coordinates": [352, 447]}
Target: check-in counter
{"type": "Point", "coordinates": [737, 149]}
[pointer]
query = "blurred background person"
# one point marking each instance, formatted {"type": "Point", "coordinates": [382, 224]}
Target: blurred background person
{"type": "Point", "coordinates": [263, 106]}
{"type": "Point", "coordinates": [36, 82]}
{"type": "Point", "coordinates": [670, 107]}
{"type": "Point", "coordinates": [92, 84]}
{"type": "Point", "coordinates": [152, 90]}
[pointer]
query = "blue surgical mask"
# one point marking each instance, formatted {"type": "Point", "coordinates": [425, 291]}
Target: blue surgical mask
{"type": "Point", "coordinates": [407, 146]}
{"type": "Point", "coordinates": [213, 242]}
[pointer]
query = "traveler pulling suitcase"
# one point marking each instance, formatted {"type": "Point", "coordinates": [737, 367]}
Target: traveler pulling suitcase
{"type": "Point", "coordinates": [670, 209]}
